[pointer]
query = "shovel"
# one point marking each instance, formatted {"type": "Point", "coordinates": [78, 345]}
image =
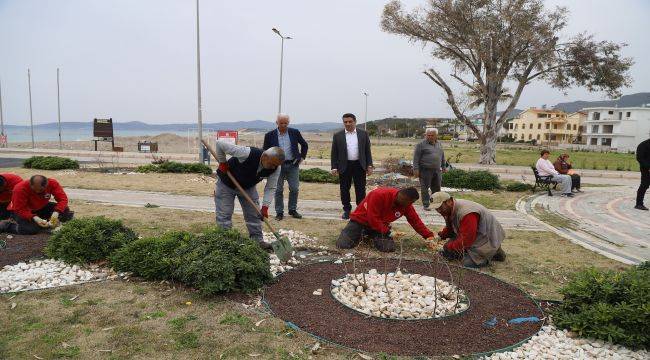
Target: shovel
{"type": "Point", "coordinates": [282, 246]}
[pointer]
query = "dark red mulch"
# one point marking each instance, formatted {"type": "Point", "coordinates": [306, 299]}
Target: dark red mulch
{"type": "Point", "coordinates": [22, 248]}
{"type": "Point", "coordinates": [291, 299]}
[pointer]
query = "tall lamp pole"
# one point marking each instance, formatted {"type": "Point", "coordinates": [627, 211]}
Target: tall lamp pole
{"type": "Point", "coordinates": [31, 119]}
{"type": "Point", "coordinates": [2, 120]}
{"type": "Point", "coordinates": [281, 64]}
{"type": "Point", "coordinates": [365, 116]}
{"type": "Point", "coordinates": [198, 85]}
{"type": "Point", "coordinates": [58, 104]}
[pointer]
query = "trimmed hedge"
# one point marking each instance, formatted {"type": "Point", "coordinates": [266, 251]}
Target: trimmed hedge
{"type": "Point", "coordinates": [175, 167]}
{"type": "Point", "coordinates": [608, 305]}
{"type": "Point", "coordinates": [318, 176]}
{"type": "Point", "coordinates": [88, 240]}
{"type": "Point", "coordinates": [50, 163]}
{"type": "Point", "coordinates": [474, 180]}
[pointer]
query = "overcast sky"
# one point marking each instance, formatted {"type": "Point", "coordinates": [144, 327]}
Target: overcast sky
{"type": "Point", "coordinates": [136, 59]}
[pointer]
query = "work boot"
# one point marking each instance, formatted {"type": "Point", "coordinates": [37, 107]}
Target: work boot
{"type": "Point", "coordinates": [346, 215]}
{"type": "Point", "coordinates": [641, 207]}
{"type": "Point", "coordinates": [266, 246]}
{"type": "Point", "coordinates": [426, 208]}
{"type": "Point", "coordinates": [385, 244]}
{"type": "Point", "coordinates": [5, 225]}
{"type": "Point", "coordinates": [294, 214]}
{"type": "Point", "coordinates": [500, 255]}
{"type": "Point", "coordinates": [279, 216]}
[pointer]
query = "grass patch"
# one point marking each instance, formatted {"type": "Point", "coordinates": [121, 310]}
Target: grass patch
{"type": "Point", "coordinates": [554, 219]}
{"type": "Point", "coordinates": [235, 318]}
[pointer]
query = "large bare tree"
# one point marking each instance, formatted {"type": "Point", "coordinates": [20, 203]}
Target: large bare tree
{"type": "Point", "coordinates": [494, 43]}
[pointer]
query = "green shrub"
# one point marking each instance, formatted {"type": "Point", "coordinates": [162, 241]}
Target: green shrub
{"type": "Point", "coordinates": [150, 258]}
{"type": "Point", "coordinates": [220, 261]}
{"type": "Point", "coordinates": [318, 176]}
{"type": "Point", "coordinates": [50, 163]}
{"type": "Point", "coordinates": [475, 180]}
{"type": "Point", "coordinates": [88, 240]}
{"type": "Point", "coordinates": [175, 167]}
{"type": "Point", "coordinates": [608, 305]}
{"type": "Point", "coordinates": [518, 187]}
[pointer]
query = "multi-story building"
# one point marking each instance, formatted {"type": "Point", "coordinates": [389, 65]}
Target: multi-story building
{"type": "Point", "coordinates": [621, 129]}
{"type": "Point", "coordinates": [548, 126]}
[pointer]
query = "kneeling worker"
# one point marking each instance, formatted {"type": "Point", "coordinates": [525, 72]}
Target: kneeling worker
{"type": "Point", "coordinates": [249, 166]}
{"type": "Point", "coordinates": [32, 209]}
{"type": "Point", "coordinates": [374, 214]}
{"type": "Point", "coordinates": [475, 234]}
{"type": "Point", "coordinates": [7, 183]}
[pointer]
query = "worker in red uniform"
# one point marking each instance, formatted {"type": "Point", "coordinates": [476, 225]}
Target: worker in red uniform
{"type": "Point", "coordinates": [374, 214]}
{"type": "Point", "coordinates": [474, 234]}
{"type": "Point", "coordinates": [32, 208]}
{"type": "Point", "coordinates": [7, 183]}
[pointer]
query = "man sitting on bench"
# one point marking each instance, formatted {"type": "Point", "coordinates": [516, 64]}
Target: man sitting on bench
{"type": "Point", "coordinates": [545, 168]}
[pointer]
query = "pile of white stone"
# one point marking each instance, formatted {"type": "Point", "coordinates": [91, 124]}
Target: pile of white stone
{"type": "Point", "coordinates": [277, 267]}
{"type": "Point", "coordinates": [297, 238]}
{"type": "Point", "coordinates": [399, 296]}
{"type": "Point", "coordinates": [551, 343]}
{"type": "Point", "coordinates": [42, 274]}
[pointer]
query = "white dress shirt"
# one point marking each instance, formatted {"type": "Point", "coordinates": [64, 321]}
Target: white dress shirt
{"type": "Point", "coordinates": [545, 167]}
{"type": "Point", "coordinates": [352, 143]}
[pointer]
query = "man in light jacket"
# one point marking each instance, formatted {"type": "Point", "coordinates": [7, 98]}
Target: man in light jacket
{"type": "Point", "coordinates": [545, 168]}
{"type": "Point", "coordinates": [428, 164]}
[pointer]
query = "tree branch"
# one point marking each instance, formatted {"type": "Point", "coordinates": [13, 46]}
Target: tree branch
{"type": "Point", "coordinates": [451, 100]}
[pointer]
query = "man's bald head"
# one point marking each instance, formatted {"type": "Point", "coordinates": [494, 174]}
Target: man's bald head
{"type": "Point", "coordinates": [38, 183]}
{"type": "Point", "coordinates": [282, 122]}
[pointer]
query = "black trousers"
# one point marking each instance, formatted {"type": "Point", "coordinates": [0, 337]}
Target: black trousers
{"type": "Point", "coordinates": [29, 227]}
{"type": "Point", "coordinates": [353, 173]}
{"type": "Point", "coordinates": [643, 187]}
{"type": "Point", "coordinates": [575, 181]}
{"type": "Point", "coordinates": [4, 213]}
{"type": "Point", "coordinates": [353, 232]}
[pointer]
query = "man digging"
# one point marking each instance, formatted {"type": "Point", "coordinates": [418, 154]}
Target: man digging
{"type": "Point", "coordinates": [31, 207]}
{"type": "Point", "coordinates": [374, 214]}
{"type": "Point", "coordinates": [474, 234]}
{"type": "Point", "coordinates": [249, 166]}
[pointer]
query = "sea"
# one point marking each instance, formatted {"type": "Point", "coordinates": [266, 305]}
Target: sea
{"type": "Point", "coordinates": [24, 135]}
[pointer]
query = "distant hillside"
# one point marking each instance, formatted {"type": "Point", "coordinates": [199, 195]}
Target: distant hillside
{"type": "Point", "coordinates": [631, 100]}
{"type": "Point", "coordinates": [141, 126]}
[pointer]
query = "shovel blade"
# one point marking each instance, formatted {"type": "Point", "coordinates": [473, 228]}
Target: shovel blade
{"type": "Point", "coordinates": [282, 248]}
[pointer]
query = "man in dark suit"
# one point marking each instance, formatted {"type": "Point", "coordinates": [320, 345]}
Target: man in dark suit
{"type": "Point", "coordinates": [352, 161]}
{"type": "Point", "coordinates": [288, 139]}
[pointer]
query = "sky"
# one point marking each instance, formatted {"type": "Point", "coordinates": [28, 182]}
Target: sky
{"type": "Point", "coordinates": [135, 60]}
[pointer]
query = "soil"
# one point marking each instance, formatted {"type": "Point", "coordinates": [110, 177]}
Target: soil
{"type": "Point", "coordinates": [290, 298]}
{"type": "Point", "coordinates": [22, 248]}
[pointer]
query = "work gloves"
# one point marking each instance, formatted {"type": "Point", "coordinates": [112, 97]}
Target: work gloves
{"type": "Point", "coordinates": [434, 243]}
{"type": "Point", "coordinates": [54, 219]}
{"type": "Point", "coordinates": [265, 211]}
{"type": "Point", "coordinates": [40, 222]}
{"type": "Point", "coordinates": [223, 167]}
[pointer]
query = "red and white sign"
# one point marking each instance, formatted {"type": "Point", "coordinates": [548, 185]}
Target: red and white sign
{"type": "Point", "coordinates": [3, 140]}
{"type": "Point", "coordinates": [231, 136]}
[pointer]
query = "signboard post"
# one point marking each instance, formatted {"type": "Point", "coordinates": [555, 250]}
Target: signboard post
{"type": "Point", "coordinates": [103, 131]}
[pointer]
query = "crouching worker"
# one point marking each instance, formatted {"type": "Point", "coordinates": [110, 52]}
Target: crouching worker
{"type": "Point", "coordinates": [374, 214]}
{"type": "Point", "coordinates": [32, 208]}
{"type": "Point", "coordinates": [474, 234]}
{"type": "Point", "coordinates": [249, 166]}
{"type": "Point", "coordinates": [7, 183]}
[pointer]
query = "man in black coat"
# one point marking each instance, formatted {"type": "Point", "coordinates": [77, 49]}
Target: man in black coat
{"type": "Point", "coordinates": [643, 157]}
{"type": "Point", "coordinates": [288, 139]}
{"type": "Point", "coordinates": [352, 161]}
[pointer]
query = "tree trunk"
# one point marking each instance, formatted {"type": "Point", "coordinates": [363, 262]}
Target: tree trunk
{"type": "Point", "coordinates": [488, 148]}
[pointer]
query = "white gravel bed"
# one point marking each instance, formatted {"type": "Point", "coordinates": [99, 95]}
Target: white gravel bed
{"type": "Point", "coordinates": [400, 296]}
{"type": "Point", "coordinates": [43, 274]}
{"type": "Point", "coordinates": [551, 343]}
{"type": "Point", "coordinates": [296, 238]}
{"type": "Point", "coordinates": [278, 267]}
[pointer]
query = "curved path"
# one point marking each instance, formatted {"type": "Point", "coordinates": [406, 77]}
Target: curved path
{"type": "Point", "coordinates": [602, 219]}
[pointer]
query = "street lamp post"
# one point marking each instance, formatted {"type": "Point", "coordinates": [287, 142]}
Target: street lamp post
{"type": "Point", "coordinates": [31, 119]}
{"type": "Point", "coordinates": [2, 121]}
{"type": "Point", "coordinates": [365, 115]}
{"type": "Point", "coordinates": [281, 65]}
{"type": "Point", "coordinates": [58, 104]}
{"type": "Point", "coordinates": [198, 85]}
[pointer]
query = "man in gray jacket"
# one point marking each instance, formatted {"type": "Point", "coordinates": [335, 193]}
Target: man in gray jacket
{"type": "Point", "coordinates": [428, 163]}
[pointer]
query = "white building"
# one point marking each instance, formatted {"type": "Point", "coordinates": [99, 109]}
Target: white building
{"type": "Point", "coordinates": [621, 129]}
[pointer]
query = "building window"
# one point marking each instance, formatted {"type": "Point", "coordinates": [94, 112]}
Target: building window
{"type": "Point", "coordinates": [574, 126]}
{"type": "Point", "coordinates": [608, 129]}
{"type": "Point", "coordinates": [530, 126]}
{"type": "Point", "coordinates": [516, 126]}
{"type": "Point", "coordinates": [594, 129]}
{"type": "Point", "coordinates": [607, 142]}
{"type": "Point", "coordinates": [593, 141]}
{"type": "Point", "coordinates": [627, 114]}
{"type": "Point", "coordinates": [522, 136]}
{"type": "Point", "coordinates": [548, 126]}
{"type": "Point", "coordinates": [596, 116]}
{"type": "Point", "coordinates": [555, 126]}
{"type": "Point", "coordinates": [568, 126]}
{"type": "Point", "coordinates": [610, 112]}
{"type": "Point", "coordinates": [530, 136]}
{"type": "Point", "coordinates": [537, 136]}
{"type": "Point", "coordinates": [539, 116]}
{"type": "Point", "coordinates": [539, 126]}
{"type": "Point", "coordinates": [545, 136]}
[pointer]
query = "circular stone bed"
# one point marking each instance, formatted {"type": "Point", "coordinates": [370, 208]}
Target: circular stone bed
{"type": "Point", "coordinates": [399, 296]}
{"type": "Point", "coordinates": [291, 298]}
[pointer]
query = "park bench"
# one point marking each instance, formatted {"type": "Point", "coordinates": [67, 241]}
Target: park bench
{"type": "Point", "coordinates": [544, 182]}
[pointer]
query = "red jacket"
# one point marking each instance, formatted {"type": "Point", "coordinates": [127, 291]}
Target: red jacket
{"type": "Point", "coordinates": [25, 201]}
{"type": "Point", "coordinates": [10, 181]}
{"type": "Point", "coordinates": [466, 236]}
{"type": "Point", "coordinates": [378, 210]}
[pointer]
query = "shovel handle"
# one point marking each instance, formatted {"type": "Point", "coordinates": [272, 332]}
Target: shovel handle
{"type": "Point", "coordinates": [241, 190]}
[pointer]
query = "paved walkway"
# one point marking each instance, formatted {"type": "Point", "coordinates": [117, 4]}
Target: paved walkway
{"type": "Point", "coordinates": [316, 209]}
{"type": "Point", "coordinates": [602, 219]}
